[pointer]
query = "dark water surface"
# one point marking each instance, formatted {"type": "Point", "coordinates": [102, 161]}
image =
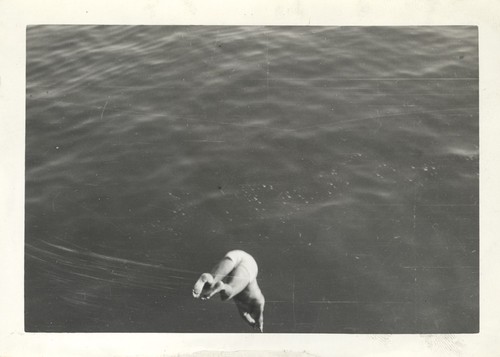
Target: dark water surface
{"type": "Point", "coordinates": [345, 160]}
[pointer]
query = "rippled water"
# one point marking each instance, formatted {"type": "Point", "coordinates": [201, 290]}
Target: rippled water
{"type": "Point", "coordinates": [344, 159]}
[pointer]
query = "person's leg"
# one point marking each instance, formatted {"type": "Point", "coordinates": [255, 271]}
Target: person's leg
{"type": "Point", "coordinates": [232, 284]}
{"type": "Point", "coordinates": [209, 284]}
{"type": "Point", "coordinates": [222, 269]}
{"type": "Point", "coordinates": [235, 282]}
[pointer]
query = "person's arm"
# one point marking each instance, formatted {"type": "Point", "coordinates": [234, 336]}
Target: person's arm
{"type": "Point", "coordinates": [252, 313]}
{"type": "Point", "coordinates": [260, 319]}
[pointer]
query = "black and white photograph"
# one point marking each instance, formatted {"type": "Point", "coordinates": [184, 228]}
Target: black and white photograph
{"type": "Point", "coordinates": [252, 179]}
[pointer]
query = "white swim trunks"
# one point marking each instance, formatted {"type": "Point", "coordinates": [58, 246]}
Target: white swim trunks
{"type": "Point", "coordinates": [244, 260]}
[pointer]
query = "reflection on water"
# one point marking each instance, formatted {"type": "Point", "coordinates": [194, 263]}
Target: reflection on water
{"type": "Point", "coordinates": [344, 159]}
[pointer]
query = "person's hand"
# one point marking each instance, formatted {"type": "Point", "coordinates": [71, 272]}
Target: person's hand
{"type": "Point", "coordinates": [252, 313]}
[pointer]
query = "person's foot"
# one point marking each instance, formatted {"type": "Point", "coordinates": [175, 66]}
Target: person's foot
{"type": "Point", "coordinates": [199, 286]}
{"type": "Point", "coordinates": [218, 287]}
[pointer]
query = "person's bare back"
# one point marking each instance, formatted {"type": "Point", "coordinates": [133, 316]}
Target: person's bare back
{"type": "Point", "coordinates": [235, 277]}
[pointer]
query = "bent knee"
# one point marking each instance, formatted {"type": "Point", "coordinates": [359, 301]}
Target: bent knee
{"type": "Point", "coordinates": [206, 277]}
{"type": "Point", "coordinates": [224, 295]}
